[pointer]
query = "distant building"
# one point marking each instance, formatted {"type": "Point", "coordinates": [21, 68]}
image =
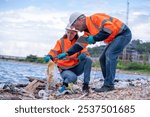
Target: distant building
{"type": "Point", "coordinates": [130, 53]}
{"type": "Point", "coordinates": [10, 57]}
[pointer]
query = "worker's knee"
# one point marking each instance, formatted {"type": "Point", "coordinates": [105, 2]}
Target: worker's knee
{"type": "Point", "coordinates": [69, 76]}
{"type": "Point", "coordinates": [109, 56]}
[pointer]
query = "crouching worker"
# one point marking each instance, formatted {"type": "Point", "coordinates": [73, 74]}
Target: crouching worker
{"type": "Point", "coordinates": [71, 66]}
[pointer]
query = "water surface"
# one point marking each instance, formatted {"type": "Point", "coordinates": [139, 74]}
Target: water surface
{"type": "Point", "coordinates": [16, 72]}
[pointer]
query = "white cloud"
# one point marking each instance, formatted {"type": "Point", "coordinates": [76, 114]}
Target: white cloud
{"type": "Point", "coordinates": [33, 30]}
{"type": "Point", "coordinates": [30, 29]}
{"type": "Point", "coordinates": [22, 48]}
{"type": "Point", "coordinates": [140, 23]}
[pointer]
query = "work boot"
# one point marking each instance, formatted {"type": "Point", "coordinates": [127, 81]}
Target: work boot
{"type": "Point", "coordinates": [85, 88]}
{"type": "Point", "coordinates": [62, 91]}
{"type": "Point", "coordinates": [65, 88]}
{"type": "Point", "coordinates": [62, 88]}
{"type": "Point", "coordinates": [105, 88]}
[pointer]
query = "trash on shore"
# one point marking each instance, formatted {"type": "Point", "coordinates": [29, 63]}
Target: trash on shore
{"type": "Point", "coordinates": [36, 90]}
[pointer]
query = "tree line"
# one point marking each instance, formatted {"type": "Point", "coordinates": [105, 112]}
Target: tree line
{"type": "Point", "coordinates": [138, 45]}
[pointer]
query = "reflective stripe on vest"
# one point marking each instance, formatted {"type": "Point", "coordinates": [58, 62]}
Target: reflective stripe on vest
{"type": "Point", "coordinates": [80, 44]}
{"type": "Point", "coordinates": [121, 28]}
{"type": "Point", "coordinates": [106, 29]}
{"type": "Point", "coordinates": [55, 52]}
{"type": "Point", "coordinates": [102, 25]}
{"type": "Point", "coordinates": [62, 45]}
{"type": "Point", "coordinates": [63, 49]}
{"type": "Point", "coordinates": [67, 58]}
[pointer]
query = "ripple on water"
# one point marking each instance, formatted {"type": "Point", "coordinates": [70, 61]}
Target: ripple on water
{"type": "Point", "coordinates": [16, 72]}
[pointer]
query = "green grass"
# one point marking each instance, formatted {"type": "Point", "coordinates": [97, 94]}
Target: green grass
{"type": "Point", "coordinates": [134, 66]}
{"type": "Point", "coordinates": [129, 66]}
{"type": "Point", "coordinates": [95, 64]}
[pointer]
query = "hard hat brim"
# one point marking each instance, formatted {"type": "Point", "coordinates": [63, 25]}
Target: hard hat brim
{"type": "Point", "coordinates": [69, 28]}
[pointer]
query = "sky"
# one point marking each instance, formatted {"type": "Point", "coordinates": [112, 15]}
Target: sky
{"type": "Point", "coordinates": [33, 26]}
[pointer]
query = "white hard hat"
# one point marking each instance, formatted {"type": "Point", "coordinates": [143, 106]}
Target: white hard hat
{"type": "Point", "coordinates": [68, 27]}
{"type": "Point", "coordinates": [73, 17]}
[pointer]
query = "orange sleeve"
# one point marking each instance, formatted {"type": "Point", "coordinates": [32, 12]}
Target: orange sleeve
{"type": "Point", "coordinates": [56, 50]}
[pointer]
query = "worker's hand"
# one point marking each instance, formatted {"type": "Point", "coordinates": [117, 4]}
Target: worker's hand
{"type": "Point", "coordinates": [61, 56]}
{"type": "Point", "coordinates": [90, 40]}
{"type": "Point", "coordinates": [81, 57]}
{"type": "Point", "coordinates": [47, 58]}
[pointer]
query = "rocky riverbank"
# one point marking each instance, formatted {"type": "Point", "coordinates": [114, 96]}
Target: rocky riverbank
{"type": "Point", "coordinates": [138, 89]}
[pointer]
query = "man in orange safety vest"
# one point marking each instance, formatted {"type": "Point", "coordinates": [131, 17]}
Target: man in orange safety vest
{"type": "Point", "coordinates": [101, 27]}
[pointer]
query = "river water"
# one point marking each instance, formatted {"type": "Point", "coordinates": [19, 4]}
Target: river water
{"type": "Point", "coordinates": [16, 72]}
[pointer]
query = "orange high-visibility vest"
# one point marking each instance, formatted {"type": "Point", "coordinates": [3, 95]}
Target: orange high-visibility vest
{"type": "Point", "coordinates": [63, 45]}
{"type": "Point", "coordinates": [100, 21]}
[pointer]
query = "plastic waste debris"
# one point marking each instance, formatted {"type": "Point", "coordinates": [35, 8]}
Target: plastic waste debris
{"type": "Point", "coordinates": [44, 94]}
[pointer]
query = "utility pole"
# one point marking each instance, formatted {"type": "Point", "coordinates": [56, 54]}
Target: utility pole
{"type": "Point", "coordinates": [127, 17]}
